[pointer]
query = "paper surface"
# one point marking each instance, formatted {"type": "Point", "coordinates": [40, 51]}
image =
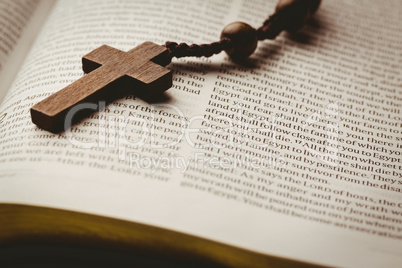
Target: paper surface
{"type": "Point", "coordinates": [295, 153]}
{"type": "Point", "coordinates": [20, 23]}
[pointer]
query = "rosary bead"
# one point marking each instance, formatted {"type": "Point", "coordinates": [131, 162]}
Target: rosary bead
{"type": "Point", "coordinates": [298, 11]}
{"type": "Point", "coordinates": [243, 39]}
{"type": "Point", "coordinates": [312, 5]}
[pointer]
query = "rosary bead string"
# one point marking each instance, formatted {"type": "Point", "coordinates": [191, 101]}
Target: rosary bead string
{"type": "Point", "coordinates": [270, 29]}
{"type": "Point", "coordinates": [239, 39]}
{"type": "Point", "coordinates": [194, 50]}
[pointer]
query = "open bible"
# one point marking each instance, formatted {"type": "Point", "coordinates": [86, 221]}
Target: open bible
{"type": "Point", "coordinates": [292, 157]}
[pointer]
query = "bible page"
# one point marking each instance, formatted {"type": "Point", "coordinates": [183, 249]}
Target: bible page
{"type": "Point", "coordinates": [295, 152]}
{"type": "Point", "coordinates": [20, 21]}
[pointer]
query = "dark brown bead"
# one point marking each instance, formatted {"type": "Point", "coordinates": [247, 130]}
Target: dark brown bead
{"type": "Point", "coordinates": [297, 12]}
{"type": "Point", "coordinates": [243, 39]}
{"type": "Point", "coordinates": [312, 5]}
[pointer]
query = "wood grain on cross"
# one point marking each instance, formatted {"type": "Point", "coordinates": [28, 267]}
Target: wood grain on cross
{"type": "Point", "coordinates": [109, 71]}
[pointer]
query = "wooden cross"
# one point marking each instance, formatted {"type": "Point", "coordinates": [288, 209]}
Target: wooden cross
{"type": "Point", "coordinates": [109, 71]}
